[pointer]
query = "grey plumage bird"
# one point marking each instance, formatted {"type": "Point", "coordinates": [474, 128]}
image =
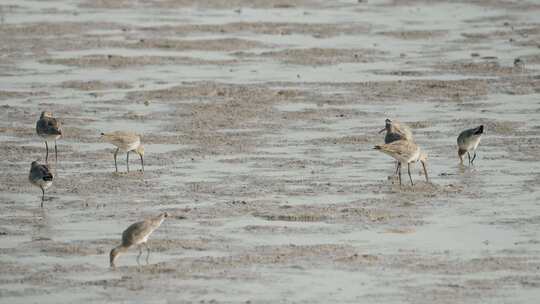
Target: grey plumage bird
{"type": "Point", "coordinates": [40, 176]}
{"type": "Point", "coordinates": [396, 131]}
{"type": "Point", "coordinates": [137, 235]}
{"type": "Point", "coordinates": [468, 141]}
{"type": "Point", "coordinates": [49, 128]}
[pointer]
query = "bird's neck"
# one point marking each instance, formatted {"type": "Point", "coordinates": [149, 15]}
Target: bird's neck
{"type": "Point", "coordinates": [121, 249]}
{"type": "Point", "coordinates": [158, 220]}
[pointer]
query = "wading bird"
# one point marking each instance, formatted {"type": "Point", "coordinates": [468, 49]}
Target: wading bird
{"type": "Point", "coordinates": [49, 128]}
{"type": "Point", "coordinates": [125, 142]}
{"type": "Point", "coordinates": [405, 152]}
{"type": "Point", "coordinates": [396, 131]}
{"type": "Point", "coordinates": [468, 141]}
{"type": "Point", "coordinates": [137, 234]}
{"type": "Point", "coordinates": [40, 176]}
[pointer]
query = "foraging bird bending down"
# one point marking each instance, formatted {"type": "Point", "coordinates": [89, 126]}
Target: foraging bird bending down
{"type": "Point", "coordinates": [396, 131]}
{"type": "Point", "coordinates": [405, 151]}
{"type": "Point", "coordinates": [125, 142]}
{"type": "Point", "coordinates": [40, 176]}
{"type": "Point", "coordinates": [49, 128]}
{"type": "Point", "coordinates": [468, 141]}
{"type": "Point", "coordinates": [137, 234]}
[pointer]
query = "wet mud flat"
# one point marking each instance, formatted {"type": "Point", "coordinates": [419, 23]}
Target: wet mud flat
{"type": "Point", "coordinates": [259, 119]}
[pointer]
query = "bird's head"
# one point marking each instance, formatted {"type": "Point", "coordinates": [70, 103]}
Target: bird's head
{"type": "Point", "coordinates": [479, 130]}
{"type": "Point", "coordinates": [387, 125]}
{"type": "Point", "coordinates": [46, 114]}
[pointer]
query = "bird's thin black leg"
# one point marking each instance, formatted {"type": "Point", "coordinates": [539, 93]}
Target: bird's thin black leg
{"type": "Point", "coordinates": [474, 157]}
{"type": "Point", "coordinates": [139, 256]}
{"type": "Point", "coordinates": [409, 171]}
{"type": "Point", "coordinates": [127, 161]}
{"type": "Point", "coordinates": [142, 163]}
{"type": "Point", "coordinates": [42, 196]}
{"type": "Point", "coordinates": [469, 155]}
{"type": "Point", "coordinates": [55, 152]}
{"type": "Point", "coordinates": [115, 153]}
{"type": "Point", "coordinates": [399, 176]}
{"type": "Point", "coordinates": [148, 254]}
{"type": "Point", "coordinates": [46, 153]}
{"type": "Point", "coordinates": [397, 168]}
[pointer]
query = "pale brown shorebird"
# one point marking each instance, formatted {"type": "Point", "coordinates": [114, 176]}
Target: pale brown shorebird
{"type": "Point", "coordinates": [125, 142]}
{"type": "Point", "coordinates": [49, 128]}
{"type": "Point", "coordinates": [405, 152]}
{"type": "Point", "coordinates": [468, 141]}
{"type": "Point", "coordinates": [396, 131]}
{"type": "Point", "coordinates": [40, 176]}
{"type": "Point", "coordinates": [137, 235]}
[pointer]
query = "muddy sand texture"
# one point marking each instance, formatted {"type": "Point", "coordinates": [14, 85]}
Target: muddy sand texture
{"type": "Point", "coordinates": [259, 119]}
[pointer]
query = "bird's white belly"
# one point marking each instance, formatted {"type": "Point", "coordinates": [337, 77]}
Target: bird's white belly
{"type": "Point", "coordinates": [476, 143]}
{"type": "Point", "coordinates": [43, 184]}
{"type": "Point", "coordinates": [472, 144]}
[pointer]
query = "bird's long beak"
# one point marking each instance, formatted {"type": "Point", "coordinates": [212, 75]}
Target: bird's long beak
{"type": "Point", "coordinates": [425, 170]}
{"type": "Point", "coordinates": [384, 129]}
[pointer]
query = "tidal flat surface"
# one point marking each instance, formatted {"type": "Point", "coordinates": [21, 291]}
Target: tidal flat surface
{"type": "Point", "coordinates": [259, 119]}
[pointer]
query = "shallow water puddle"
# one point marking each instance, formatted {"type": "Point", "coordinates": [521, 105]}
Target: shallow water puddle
{"type": "Point", "coordinates": [127, 52]}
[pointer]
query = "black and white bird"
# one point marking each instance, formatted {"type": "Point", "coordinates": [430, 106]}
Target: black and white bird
{"type": "Point", "coordinates": [468, 141]}
{"type": "Point", "coordinates": [40, 176]}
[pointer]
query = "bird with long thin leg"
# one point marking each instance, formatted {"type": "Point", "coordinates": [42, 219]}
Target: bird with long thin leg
{"type": "Point", "coordinates": [137, 235]}
{"type": "Point", "coordinates": [405, 152]}
{"type": "Point", "coordinates": [41, 177]}
{"type": "Point", "coordinates": [468, 142]}
{"type": "Point", "coordinates": [396, 131]}
{"type": "Point", "coordinates": [49, 128]}
{"type": "Point", "coordinates": [125, 142]}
